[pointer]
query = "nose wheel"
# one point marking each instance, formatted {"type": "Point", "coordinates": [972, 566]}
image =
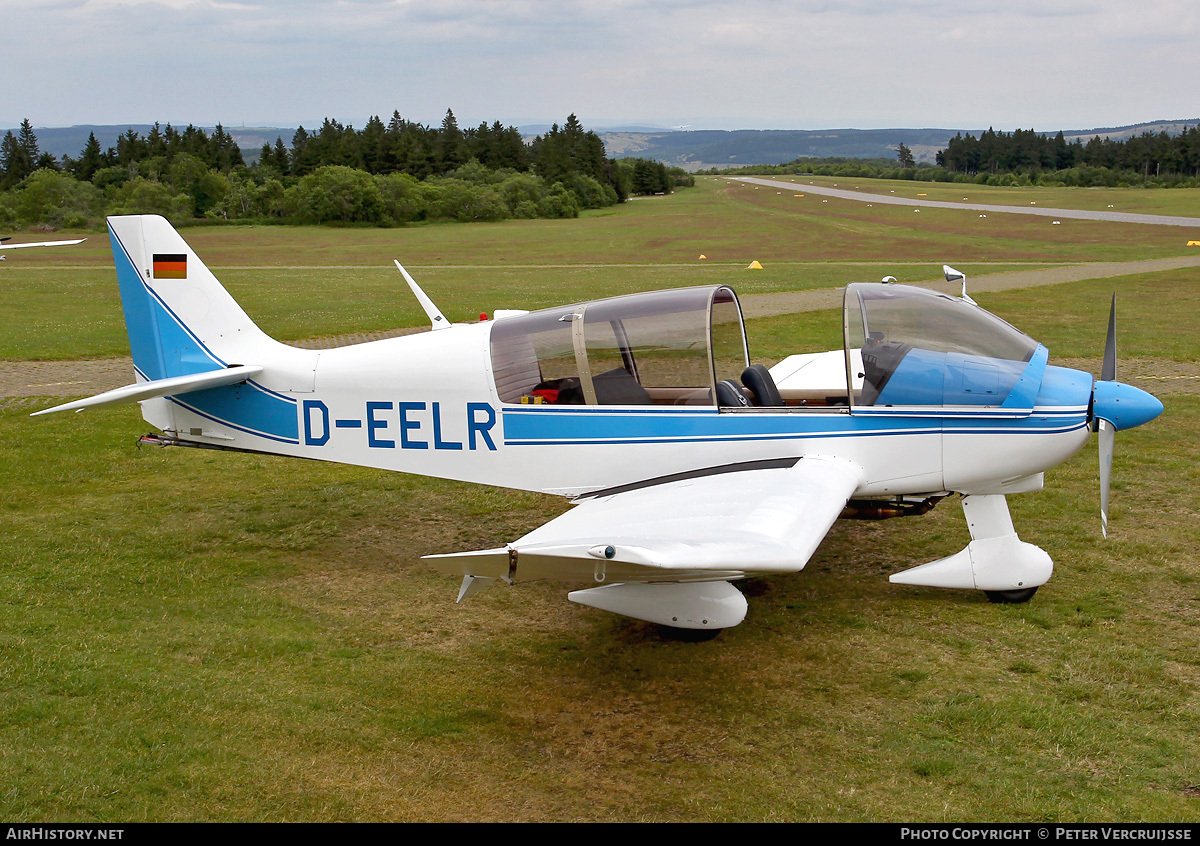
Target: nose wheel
{"type": "Point", "coordinates": [1010, 597]}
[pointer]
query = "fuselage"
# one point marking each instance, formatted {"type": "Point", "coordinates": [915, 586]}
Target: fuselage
{"type": "Point", "coordinates": [428, 404]}
{"type": "Point", "coordinates": [929, 394]}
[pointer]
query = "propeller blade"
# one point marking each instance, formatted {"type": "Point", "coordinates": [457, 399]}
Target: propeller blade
{"type": "Point", "coordinates": [1107, 431]}
{"type": "Point", "coordinates": [1108, 371]}
{"type": "Point", "coordinates": [1108, 435]}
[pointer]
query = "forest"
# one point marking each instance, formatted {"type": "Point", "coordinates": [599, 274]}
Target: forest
{"type": "Point", "coordinates": [384, 175]}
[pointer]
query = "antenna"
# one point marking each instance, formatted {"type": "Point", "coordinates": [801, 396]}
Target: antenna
{"type": "Point", "coordinates": [953, 275]}
{"type": "Point", "coordinates": [438, 320]}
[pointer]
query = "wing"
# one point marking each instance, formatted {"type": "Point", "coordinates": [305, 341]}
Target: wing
{"type": "Point", "coordinates": [40, 244]}
{"type": "Point", "coordinates": [720, 526]}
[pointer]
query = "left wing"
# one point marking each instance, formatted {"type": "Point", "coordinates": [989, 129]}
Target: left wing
{"type": "Point", "coordinates": [724, 525]}
{"type": "Point", "coordinates": [173, 386]}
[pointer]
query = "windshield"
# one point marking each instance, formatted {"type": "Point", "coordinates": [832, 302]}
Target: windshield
{"type": "Point", "coordinates": [920, 347]}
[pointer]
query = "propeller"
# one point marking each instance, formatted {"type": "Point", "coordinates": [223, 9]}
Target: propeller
{"type": "Point", "coordinates": [1115, 406]}
{"type": "Point", "coordinates": [1107, 435]}
{"type": "Point", "coordinates": [1108, 370]}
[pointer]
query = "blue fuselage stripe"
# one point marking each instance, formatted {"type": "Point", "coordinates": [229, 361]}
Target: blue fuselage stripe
{"type": "Point", "coordinates": [558, 428]}
{"type": "Point", "coordinates": [196, 410]}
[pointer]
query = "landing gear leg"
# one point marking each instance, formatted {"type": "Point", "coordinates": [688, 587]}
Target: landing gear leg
{"type": "Point", "coordinates": [996, 561]}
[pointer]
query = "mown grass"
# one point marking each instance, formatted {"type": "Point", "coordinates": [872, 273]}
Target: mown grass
{"type": "Point", "coordinates": [200, 636]}
{"type": "Point", "coordinates": [188, 635]}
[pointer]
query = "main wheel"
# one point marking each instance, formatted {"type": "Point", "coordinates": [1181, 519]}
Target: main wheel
{"type": "Point", "coordinates": [688, 635]}
{"type": "Point", "coordinates": [1011, 597]}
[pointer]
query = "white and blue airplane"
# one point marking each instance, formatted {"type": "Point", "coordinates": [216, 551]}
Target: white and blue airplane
{"type": "Point", "coordinates": [688, 466]}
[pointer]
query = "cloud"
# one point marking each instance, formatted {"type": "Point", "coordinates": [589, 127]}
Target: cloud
{"type": "Point", "coordinates": [807, 63]}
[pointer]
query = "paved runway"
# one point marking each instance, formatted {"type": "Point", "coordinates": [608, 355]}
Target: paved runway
{"type": "Point", "coordinates": [888, 199]}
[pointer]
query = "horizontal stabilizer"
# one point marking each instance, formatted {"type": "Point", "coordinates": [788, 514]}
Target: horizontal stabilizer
{"type": "Point", "coordinates": [161, 388]}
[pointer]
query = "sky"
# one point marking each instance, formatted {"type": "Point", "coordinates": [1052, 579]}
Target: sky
{"type": "Point", "coordinates": [703, 64]}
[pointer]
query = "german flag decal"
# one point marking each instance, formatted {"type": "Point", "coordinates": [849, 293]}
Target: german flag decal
{"type": "Point", "coordinates": [170, 266]}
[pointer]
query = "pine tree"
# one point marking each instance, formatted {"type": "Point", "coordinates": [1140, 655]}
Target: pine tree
{"type": "Point", "coordinates": [173, 141]}
{"type": "Point", "coordinates": [28, 141]}
{"type": "Point", "coordinates": [156, 145]}
{"type": "Point", "coordinates": [373, 143]}
{"type": "Point", "coordinates": [131, 148]}
{"type": "Point", "coordinates": [509, 148]}
{"type": "Point", "coordinates": [90, 160]}
{"type": "Point", "coordinates": [281, 157]}
{"type": "Point", "coordinates": [222, 152]}
{"type": "Point", "coordinates": [18, 155]}
{"type": "Point", "coordinates": [303, 160]}
{"type": "Point", "coordinates": [1064, 155]}
{"type": "Point", "coordinates": [643, 180]}
{"type": "Point", "coordinates": [11, 171]}
{"type": "Point", "coordinates": [449, 147]}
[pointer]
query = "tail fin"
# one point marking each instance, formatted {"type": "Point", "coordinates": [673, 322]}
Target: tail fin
{"type": "Point", "coordinates": [180, 319]}
{"type": "Point", "coordinates": [203, 367]}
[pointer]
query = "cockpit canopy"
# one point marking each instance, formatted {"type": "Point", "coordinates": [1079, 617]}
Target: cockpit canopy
{"type": "Point", "coordinates": [664, 347]}
{"type": "Point", "coordinates": [910, 346]}
{"type": "Point", "coordinates": [906, 350]}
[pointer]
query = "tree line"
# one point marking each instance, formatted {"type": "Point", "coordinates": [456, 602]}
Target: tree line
{"type": "Point", "coordinates": [383, 174]}
{"type": "Point", "coordinates": [1157, 156]}
{"type": "Point", "coordinates": [1024, 157]}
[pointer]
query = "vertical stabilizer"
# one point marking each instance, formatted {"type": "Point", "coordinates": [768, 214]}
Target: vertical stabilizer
{"type": "Point", "coordinates": [179, 318]}
{"type": "Point", "coordinates": [185, 330]}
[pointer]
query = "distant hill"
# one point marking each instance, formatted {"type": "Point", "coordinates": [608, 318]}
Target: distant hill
{"type": "Point", "coordinates": [532, 130]}
{"type": "Point", "coordinates": [700, 149]}
{"type": "Point", "coordinates": [1121, 133]}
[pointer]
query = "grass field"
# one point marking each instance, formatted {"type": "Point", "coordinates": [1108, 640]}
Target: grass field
{"type": "Point", "coordinates": [188, 635]}
{"type": "Point", "coordinates": [301, 282]}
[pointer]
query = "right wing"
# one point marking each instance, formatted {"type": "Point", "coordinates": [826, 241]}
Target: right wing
{"type": "Point", "coordinates": [714, 527]}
